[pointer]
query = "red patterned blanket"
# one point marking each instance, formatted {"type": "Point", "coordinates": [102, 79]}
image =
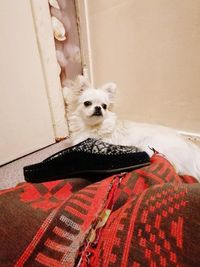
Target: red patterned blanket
{"type": "Point", "coordinates": [148, 217]}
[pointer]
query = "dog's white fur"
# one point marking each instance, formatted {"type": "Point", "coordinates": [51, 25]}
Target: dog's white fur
{"type": "Point", "coordinates": [81, 101]}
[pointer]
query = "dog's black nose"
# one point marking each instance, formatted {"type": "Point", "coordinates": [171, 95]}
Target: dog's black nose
{"type": "Point", "coordinates": [97, 111]}
{"type": "Point", "coordinates": [97, 108]}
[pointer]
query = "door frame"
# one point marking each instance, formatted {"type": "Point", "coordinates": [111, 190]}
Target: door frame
{"type": "Point", "coordinates": [84, 36]}
{"type": "Point", "coordinates": [46, 46]}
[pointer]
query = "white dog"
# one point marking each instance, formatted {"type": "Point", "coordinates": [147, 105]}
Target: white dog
{"type": "Point", "coordinates": [90, 114]}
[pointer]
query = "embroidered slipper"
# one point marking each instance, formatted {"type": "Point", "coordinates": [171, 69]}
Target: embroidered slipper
{"type": "Point", "coordinates": [88, 158]}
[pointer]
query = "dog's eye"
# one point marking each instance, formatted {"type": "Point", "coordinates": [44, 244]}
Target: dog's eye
{"type": "Point", "coordinates": [87, 103]}
{"type": "Point", "coordinates": [104, 106]}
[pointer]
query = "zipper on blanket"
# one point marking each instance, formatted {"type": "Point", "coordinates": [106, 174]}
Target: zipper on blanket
{"type": "Point", "coordinates": [87, 253]}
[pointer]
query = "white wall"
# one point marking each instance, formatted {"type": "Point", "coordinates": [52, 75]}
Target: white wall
{"type": "Point", "coordinates": [151, 50]}
{"type": "Point", "coordinates": [25, 117]}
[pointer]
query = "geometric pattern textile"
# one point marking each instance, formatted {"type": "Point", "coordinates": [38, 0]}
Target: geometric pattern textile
{"type": "Point", "coordinates": [96, 146]}
{"type": "Point", "coordinates": [146, 217]}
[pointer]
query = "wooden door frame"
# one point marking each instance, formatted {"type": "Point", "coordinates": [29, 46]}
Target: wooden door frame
{"type": "Point", "coordinates": [46, 47]}
{"type": "Point", "coordinates": [84, 35]}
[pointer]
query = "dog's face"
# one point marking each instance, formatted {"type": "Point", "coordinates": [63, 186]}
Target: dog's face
{"type": "Point", "coordinates": [94, 105]}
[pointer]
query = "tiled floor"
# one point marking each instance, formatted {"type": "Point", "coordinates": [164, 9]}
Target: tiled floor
{"type": "Point", "coordinates": [11, 174]}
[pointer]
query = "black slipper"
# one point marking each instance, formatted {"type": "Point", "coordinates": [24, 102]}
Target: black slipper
{"type": "Point", "coordinates": [88, 158]}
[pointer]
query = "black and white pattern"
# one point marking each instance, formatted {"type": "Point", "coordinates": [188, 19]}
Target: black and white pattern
{"type": "Point", "coordinates": [97, 146]}
{"type": "Point", "coordinates": [94, 146]}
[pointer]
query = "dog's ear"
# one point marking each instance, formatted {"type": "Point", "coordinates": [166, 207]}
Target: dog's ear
{"type": "Point", "coordinates": [81, 83]}
{"type": "Point", "coordinates": [72, 89]}
{"type": "Point", "coordinates": [110, 89]}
